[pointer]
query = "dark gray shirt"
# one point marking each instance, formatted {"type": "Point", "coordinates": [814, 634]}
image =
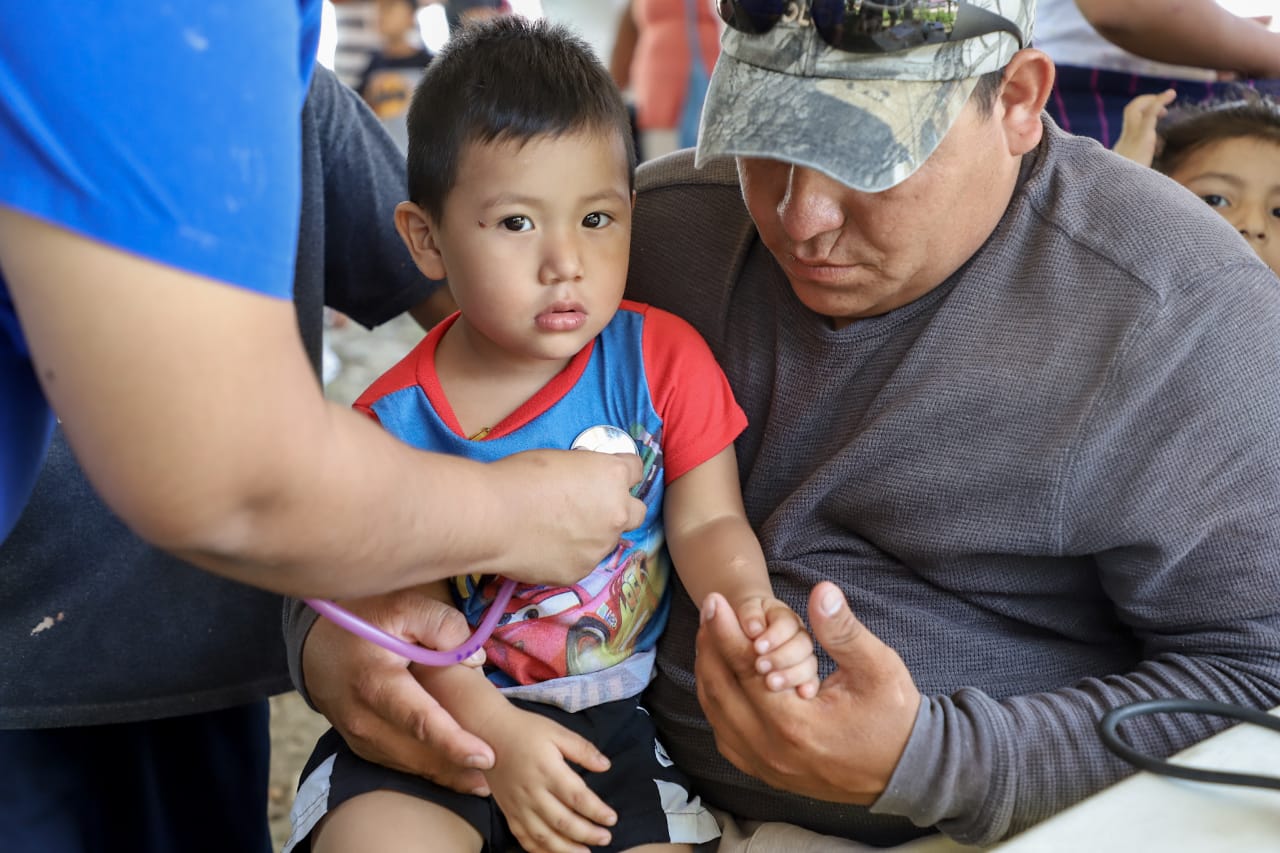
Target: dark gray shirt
{"type": "Point", "coordinates": [1051, 484]}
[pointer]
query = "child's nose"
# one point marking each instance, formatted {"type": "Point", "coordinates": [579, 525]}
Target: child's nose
{"type": "Point", "coordinates": [1253, 225]}
{"type": "Point", "coordinates": [562, 260]}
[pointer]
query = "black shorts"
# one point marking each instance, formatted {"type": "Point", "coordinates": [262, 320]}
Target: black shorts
{"type": "Point", "coordinates": [649, 794]}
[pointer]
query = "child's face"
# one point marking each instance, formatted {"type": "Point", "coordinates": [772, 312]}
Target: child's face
{"type": "Point", "coordinates": [396, 19]}
{"type": "Point", "coordinates": [534, 241]}
{"type": "Point", "coordinates": [1240, 178]}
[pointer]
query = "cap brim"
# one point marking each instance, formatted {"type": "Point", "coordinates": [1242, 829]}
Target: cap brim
{"type": "Point", "coordinates": [868, 134]}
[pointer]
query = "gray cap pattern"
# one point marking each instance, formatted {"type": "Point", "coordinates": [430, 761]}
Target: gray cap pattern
{"type": "Point", "coordinates": [866, 120]}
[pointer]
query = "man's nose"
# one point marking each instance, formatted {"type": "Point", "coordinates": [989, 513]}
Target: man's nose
{"type": "Point", "coordinates": [811, 205]}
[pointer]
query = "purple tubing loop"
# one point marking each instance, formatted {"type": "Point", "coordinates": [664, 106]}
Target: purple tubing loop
{"type": "Point", "coordinates": [430, 657]}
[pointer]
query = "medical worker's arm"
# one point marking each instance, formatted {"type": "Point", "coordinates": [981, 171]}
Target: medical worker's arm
{"type": "Point", "coordinates": [192, 408]}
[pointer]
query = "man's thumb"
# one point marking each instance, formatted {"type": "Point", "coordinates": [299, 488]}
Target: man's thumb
{"type": "Point", "coordinates": [435, 624]}
{"type": "Point", "coordinates": [834, 626]}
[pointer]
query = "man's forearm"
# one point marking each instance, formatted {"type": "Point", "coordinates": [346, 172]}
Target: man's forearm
{"type": "Point", "coordinates": [975, 766]}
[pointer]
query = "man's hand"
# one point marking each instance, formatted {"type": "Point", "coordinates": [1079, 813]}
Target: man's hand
{"type": "Point", "coordinates": [372, 699]}
{"type": "Point", "coordinates": [1138, 134]}
{"type": "Point", "coordinates": [562, 512]}
{"type": "Point", "coordinates": [843, 744]}
{"type": "Point", "coordinates": [546, 803]}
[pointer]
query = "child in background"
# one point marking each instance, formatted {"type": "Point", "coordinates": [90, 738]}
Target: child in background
{"type": "Point", "coordinates": [521, 179]}
{"type": "Point", "coordinates": [1226, 152]}
{"type": "Point", "coordinates": [397, 67]}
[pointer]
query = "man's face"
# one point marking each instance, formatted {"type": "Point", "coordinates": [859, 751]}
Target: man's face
{"type": "Point", "coordinates": [851, 254]}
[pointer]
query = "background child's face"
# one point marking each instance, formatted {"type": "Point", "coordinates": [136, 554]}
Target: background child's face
{"type": "Point", "coordinates": [535, 239]}
{"type": "Point", "coordinates": [1240, 178]}
{"type": "Point", "coordinates": [396, 19]}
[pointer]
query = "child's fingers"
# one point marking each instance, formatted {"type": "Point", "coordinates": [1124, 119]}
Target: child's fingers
{"type": "Point", "coordinates": [794, 674]}
{"type": "Point", "coordinates": [553, 831]}
{"type": "Point", "coordinates": [579, 750]}
{"type": "Point", "coordinates": [1138, 133]}
{"type": "Point", "coordinates": [546, 811]}
{"type": "Point", "coordinates": [791, 652]}
{"type": "Point", "coordinates": [1144, 110]}
{"type": "Point", "coordinates": [783, 625]}
{"type": "Point", "coordinates": [570, 811]}
{"type": "Point", "coordinates": [751, 617]}
{"type": "Point", "coordinates": [569, 788]}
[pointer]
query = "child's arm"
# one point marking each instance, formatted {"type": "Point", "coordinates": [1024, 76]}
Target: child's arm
{"type": "Point", "coordinates": [547, 805]}
{"type": "Point", "coordinates": [1138, 133]}
{"type": "Point", "coordinates": [715, 550]}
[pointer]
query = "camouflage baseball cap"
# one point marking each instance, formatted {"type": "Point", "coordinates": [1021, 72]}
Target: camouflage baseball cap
{"type": "Point", "coordinates": [868, 120]}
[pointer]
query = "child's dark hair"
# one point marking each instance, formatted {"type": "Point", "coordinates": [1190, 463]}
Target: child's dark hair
{"type": "Point", "coordinates": [1187, 128]}
{"type": "Point", "coordinates": [507, 79]}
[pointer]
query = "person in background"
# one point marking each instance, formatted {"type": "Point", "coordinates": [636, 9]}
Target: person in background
{"type": "Point", "coordinates": [459, 13]}
{"type": "Point", "coordinates": [1012, 445]}
{"type": "Point", "coordinates": [1106, 53]}
{"type": "Point", "coordinates": [133, 712]}
{"type": "Point", "coordinates": [594, 20]}
{"type": "Point", "coordinates": [1226, 152]}
{"type": "Point", "coordinates": [663, 53]}
{"type": "Point", "coordinates": [165, 197]}
{"type": "Point", "coordinates": [521, 192]}
{"type": "Point", "coordinates": [356, 38]}
{"type": "Point", "coordinates": [387, 84]}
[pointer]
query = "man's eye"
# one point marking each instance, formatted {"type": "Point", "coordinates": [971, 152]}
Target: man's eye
{"type": "Point", "coordinates": [517, 223]}
{"type": "Point", "coordinates": [596, 220]}
{"type": "Point", "coordinates": [1214, 200]}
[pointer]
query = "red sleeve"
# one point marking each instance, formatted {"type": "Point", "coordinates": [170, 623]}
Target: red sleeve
{"type": "Point", "coordinates": [699, 415]}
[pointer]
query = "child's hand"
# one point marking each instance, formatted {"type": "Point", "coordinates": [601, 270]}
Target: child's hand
{"type": "Point", "coordinates": [1138, 134]}
{"type": "Point", "coordinates": [784, 648]}
{"type": "Point", "coordinates": [547, 805]}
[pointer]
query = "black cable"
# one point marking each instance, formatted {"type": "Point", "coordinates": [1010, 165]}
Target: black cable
{"type": "Point", "coordinates": [1111, 738]}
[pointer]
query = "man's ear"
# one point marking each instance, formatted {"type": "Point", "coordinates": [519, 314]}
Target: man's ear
{"type": "Point", "coordinates": [1028, 80]}
{"type": "Point", "coordinates": [418, 231]}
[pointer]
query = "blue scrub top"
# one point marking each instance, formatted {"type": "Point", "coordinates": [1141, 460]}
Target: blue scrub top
{"type": "Point", "coordinates": [173, 135]}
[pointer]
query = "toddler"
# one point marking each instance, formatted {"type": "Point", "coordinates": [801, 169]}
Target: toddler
{"type": "Point", "coordinates": [521, 180]}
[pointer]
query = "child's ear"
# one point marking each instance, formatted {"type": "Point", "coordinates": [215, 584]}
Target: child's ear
{"type": "Point", "coordinates": [418, 230]}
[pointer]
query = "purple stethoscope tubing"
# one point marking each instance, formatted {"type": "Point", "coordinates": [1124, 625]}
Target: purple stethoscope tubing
{"type": "Point", "coordinates": [604, 438]}
{"type": "Point", "coordinates": [430, 657]}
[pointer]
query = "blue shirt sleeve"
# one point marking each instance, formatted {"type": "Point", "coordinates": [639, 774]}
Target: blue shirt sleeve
{"type": "Point", "coordinates": [170, 131]}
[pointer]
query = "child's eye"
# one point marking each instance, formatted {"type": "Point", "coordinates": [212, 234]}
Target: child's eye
{"type": "Point", "coordinates": [596, 220]}
{"type": "Point", "coordinates": [1214, 200]}
{"type": "Point", "coordinates": [517, 223]}
{"type": "Point", "coordinates": [1275, 211]}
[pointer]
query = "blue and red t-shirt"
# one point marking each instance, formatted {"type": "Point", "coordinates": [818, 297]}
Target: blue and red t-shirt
{"type": "Point", "coordinates": [651, 375]}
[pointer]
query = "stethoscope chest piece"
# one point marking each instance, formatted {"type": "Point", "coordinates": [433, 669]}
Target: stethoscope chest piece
{"type": "Point", "coordinates": [605, 438]}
